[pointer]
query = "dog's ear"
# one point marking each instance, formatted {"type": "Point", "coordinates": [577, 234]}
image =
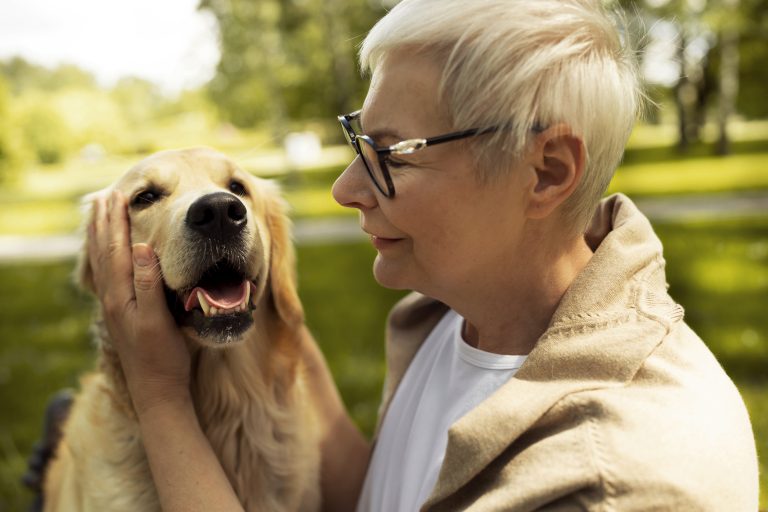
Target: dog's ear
{"type": "Point", "coordinates": [83, 272]}
{"type": "Point", "coordinates": [282, 261]}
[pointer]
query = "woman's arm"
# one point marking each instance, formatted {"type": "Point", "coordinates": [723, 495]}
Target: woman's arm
{"type": "Point", "coordinates": [345, 451]}
{"type": "Point", "coordinates": [156, 363]}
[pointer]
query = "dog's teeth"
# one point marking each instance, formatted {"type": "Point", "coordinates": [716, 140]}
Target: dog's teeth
{"type": "Point", "coordinates": [247, 295]}
{"type": "Point", "coordinates": [204, 303]}
{"type": "Point", "coordinates": [214, 311]}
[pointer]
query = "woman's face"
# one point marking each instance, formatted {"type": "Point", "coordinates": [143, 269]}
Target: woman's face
{"type": "Point", "coordinates": [445, 229]}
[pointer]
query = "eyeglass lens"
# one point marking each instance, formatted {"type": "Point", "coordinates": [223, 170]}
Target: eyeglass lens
{"type": "Point", "coordinates": [371, 161]}
{"type": "Point", "coordinates": [367, 152]}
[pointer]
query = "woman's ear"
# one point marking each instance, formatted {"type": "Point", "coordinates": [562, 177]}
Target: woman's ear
{"type": "Point", "coordinates": [282, 262]}
{"type": "Point", "coordinates": [559, 162]}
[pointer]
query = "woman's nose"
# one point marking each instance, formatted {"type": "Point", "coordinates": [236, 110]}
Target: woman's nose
{"type": "Point", "coordinates": [353, 188]}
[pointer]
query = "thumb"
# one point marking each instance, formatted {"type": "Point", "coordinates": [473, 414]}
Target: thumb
{"type": "Point", "coordinates": [147, 279]}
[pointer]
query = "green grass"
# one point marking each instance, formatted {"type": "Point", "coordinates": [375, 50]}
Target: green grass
{"type": "Point", "coordinates": [718, 270]}
{"type": "Point", "coordinates": [693, 176]}
{"type": "Point", "coordinates": [43, 325]}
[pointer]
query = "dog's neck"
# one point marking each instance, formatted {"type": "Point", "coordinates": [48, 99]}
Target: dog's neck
{"type": "Point", "coordinates": [253, 370]}
{"type": "Point", "coordinates": [247, 401]}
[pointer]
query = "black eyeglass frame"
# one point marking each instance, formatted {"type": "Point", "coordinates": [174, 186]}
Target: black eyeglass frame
{"type": "Point", "coordinates": [404, 147]}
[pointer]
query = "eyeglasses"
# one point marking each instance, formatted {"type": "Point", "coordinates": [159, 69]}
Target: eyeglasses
{"type": "Point", "coordinates": [375, 157]}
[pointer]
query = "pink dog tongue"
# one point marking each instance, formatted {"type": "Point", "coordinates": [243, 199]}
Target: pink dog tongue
{"type": "Point", "coordinates": [223, 297]}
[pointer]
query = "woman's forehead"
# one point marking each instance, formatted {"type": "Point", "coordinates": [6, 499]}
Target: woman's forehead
{"type": "Point", "coordinates": [403, 97]}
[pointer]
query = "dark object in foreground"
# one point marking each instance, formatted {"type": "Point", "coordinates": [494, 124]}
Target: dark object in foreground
{"type": "Point", "coordinates": [43, 451]}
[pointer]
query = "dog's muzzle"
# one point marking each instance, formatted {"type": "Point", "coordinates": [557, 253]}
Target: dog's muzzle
{"type": "Point", "coordinates": [221, 295]}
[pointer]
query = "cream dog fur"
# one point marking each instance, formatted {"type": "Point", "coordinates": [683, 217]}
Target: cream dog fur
{"type": "Point", "coordinates": [223, 242]}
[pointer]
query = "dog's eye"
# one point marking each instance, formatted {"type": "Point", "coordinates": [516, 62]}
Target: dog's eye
{"type": "Point", "coordinates": [146, 198]}
{"type": "Point", "coordinates": [237, 188]}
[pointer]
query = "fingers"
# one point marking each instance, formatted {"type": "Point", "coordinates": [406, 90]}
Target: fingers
{"type": "Point", "coordinates": [96, 242]}
{"type": "Point", "coordinates": [148, 283]}
{"type": "Point", "coordinates": [119, 247]}
{"type": "Point", "coordinates": [109, 250]}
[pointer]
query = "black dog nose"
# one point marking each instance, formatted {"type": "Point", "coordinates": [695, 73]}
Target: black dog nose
{"type": "Point", "coordinates": [219, 215]}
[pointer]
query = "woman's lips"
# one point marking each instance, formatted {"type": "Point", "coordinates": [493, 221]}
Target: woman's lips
{"type": "Point", "coordinates": [381, 243]}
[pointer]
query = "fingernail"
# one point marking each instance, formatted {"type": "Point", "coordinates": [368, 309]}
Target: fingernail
{"type": "Point", "coordinates": [142, 255]}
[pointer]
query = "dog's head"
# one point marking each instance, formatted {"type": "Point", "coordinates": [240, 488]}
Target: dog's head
{"type": "Point", "coordinates": [222, 238]}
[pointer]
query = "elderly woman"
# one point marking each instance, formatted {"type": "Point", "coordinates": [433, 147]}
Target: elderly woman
{"type": "Point", "coordinates": [541, 363]}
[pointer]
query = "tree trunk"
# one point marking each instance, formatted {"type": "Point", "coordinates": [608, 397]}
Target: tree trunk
{"type": "Point", "coordinates": [337, 33]}
{"type": "Point", "coordinates": [680, 91]}
{"type": "Point", "coordinates": [729, 81]}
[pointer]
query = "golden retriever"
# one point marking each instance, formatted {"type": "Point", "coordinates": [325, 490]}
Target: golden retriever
{"type": "Point", "coordinates": [223, 242]}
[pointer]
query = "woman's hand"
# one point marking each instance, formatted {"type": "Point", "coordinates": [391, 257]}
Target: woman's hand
{"type": "Point", "coordinates": [128, 281]}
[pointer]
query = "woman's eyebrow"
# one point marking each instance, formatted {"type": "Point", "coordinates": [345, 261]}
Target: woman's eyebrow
{"type": "Point", "coordinates": [384, 134]}
{"type": "Point", "coordinates": [378, 134]}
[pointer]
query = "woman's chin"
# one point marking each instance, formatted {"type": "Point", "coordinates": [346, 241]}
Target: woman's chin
{"type": "Point", "coordinates": [390, 275]}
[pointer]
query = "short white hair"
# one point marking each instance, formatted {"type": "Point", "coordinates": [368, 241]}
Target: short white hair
{"type": "Point", "coordinates": [520, 64]}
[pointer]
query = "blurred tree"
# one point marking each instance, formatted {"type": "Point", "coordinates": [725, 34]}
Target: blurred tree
{"type": "Point", "coordinates": [720, 52]}
{"type": "Point", "coordinates": [752, 16]}
{"type": "Point", "coordinates": [729, 28]}
{"type": "Point", "coordinates": [24, 76]}
{"type": "Point", "coordinates": [285, 60]}
{"type": "Point", "coordinates": [138, 99]}
{"type": "Point", "coordinates": [11, 150]}
{"type": "Point", "coordinates": [44, 130]}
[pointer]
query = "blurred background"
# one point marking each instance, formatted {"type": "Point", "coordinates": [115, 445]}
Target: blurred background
{"type": "Point", "coordinates": [87, 88]}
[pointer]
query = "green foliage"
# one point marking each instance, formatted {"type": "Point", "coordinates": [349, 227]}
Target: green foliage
{"type": "Point", "coordinates": [138, 99]}
{"type": "Point", "coordinates": [12, 154]}
{"type": "Point", "coordinates": [753, 75]}
{"type": "Point", "coordinates": [288, 60]}
{"type": "Point", "coordinates": [44, 130]}
{"type": "Point", "coordinates": [47, 115]}
{"type": "Point", "coordinates": [23, 76]}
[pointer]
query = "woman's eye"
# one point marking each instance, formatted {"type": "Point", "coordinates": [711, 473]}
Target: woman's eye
{"type": "Point", "coordinates": [396, 164]}
{"type": "Point", "coordinates": [146, 198]}
{"type": "Point", "coordinates": [237, 188]}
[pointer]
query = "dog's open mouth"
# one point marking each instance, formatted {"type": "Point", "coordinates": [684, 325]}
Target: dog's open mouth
{"type": "Point", "coordinates": [220, 298]}
{"type": "Point", "coordinates": [219, 305]}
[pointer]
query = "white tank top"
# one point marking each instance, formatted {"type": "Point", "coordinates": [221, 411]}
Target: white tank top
{"type": "Point", "coordinates": [446, 379]}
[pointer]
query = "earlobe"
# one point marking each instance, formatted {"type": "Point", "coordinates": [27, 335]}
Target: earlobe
{"type": "Point", "coordinates": [559, 166]}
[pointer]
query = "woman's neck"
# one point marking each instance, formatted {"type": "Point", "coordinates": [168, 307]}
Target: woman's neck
{"type": "Point", "coordinates": [506, 313]}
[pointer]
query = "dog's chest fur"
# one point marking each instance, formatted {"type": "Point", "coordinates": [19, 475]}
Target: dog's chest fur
{"type": "Point", "coordinates": [259, 427]}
